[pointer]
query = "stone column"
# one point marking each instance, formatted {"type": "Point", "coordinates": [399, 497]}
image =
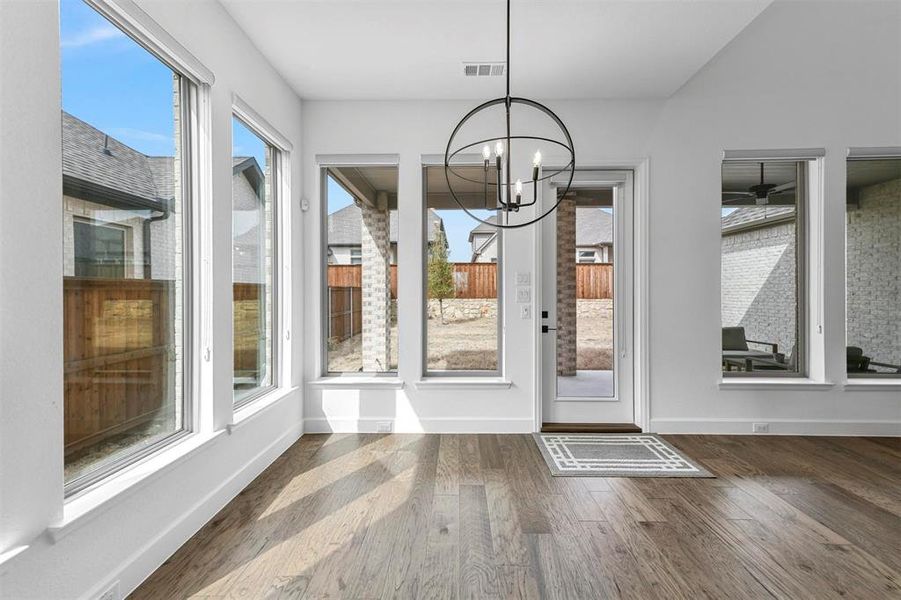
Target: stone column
{"type": "Point", "coordinates": [376, 251]}
{"type": "Point", "coordinates": [566, 287]}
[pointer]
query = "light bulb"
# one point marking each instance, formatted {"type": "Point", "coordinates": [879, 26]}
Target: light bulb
{"type": "Point", "coordinates": [499, 149]}
{"type": "Point", "coordinates": [486, 152]}
{"type": "Point", "coordinates": [536, 161]}
{"type": "Point", "coordinates": [519, 187]}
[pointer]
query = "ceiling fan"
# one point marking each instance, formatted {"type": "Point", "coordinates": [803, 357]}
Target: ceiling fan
{"type": "Point", "coordinates": [760, 193]}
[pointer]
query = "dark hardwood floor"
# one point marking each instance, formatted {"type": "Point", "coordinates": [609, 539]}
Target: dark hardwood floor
{"type": "Point", "coordinates": [479, 516]}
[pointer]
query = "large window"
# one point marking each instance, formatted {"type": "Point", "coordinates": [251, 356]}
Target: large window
{"type": "Point", "coordinates": [762, 262]}
{"type": "Point", "coordinates": [360, 270]}
{"type": "Point", "coordinates": [126, 248]}
{"type": "Point", "coordinates": [253, 262]}
{"type": "Point", "coordinates": [873, 267]}
{"type": "Point", "coordinates": [462, 277]}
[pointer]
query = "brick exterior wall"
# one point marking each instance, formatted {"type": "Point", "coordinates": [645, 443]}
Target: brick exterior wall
{"type": "Point", "coordinates": [566, 288]}
{"type": "Point", "coordinates": [376, 249]}
{"type": "Point", "coordinates": [759, 288]}
{"type": "Point", "coordinates": [874, 272]}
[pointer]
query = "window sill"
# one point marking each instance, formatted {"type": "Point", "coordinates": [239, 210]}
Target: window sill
{"type": "Point", "coordinates": [864, 384]}
{"type": "Point", "coordinates": [358, 383]}
{"type": "Point", "coordinates": [463, 383]}
{"type": "Point", "coordinates": [82, 508]}
{"type": "Point", "coordinates": [773, 383]}
{"type": "Point", "coordinates": [258, 405]}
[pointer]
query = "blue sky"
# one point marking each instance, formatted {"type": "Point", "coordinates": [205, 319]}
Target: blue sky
{"type": "Point", "coordinates": [114, 84]}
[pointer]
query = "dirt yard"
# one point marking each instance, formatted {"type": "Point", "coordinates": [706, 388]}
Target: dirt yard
{"type": "Point", "coordinates": [472, 344]}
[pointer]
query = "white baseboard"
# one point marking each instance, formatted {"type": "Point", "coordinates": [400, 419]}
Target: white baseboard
{"type": "Point", "coordinates": [371, 425]}
{"type": "Point", "coordinates": [778, 427]}
{"type": "Point", "coordinates": [140, 565]}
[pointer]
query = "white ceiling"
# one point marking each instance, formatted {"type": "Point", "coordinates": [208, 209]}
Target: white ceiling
{"type": "Point", "coordinates": [414, 49]}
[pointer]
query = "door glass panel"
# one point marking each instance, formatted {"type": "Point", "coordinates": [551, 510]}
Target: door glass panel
{"type": "Point", "coordinates": [585, 325]}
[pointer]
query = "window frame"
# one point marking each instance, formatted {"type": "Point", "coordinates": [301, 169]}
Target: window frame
{"type": "Point", "coordinates": [276, 155]}
{"type": "Point", "coordinates": [424, 292]}
{"type": "Point", "coordinates": [280, 150]}
{"type": "Point", "coordinates": [862, 155]}
{"type": "Point", "coordinates": [189, 101]}
{"type": "Point", "coordinates": [802, 262]}
{"type": "Point", "coordinates": [325, 165]}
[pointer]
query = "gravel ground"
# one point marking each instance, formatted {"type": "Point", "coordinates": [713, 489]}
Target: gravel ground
{"type": "Point", "coordinates": [472, 345]}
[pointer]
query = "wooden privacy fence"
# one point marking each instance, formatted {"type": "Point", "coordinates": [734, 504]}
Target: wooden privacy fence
{"type": "Point", "coordinates": [117, 345]}
{"type": "Point", "coordinates": [250, 332]}
{"type": "Point", "coordinates": [594, 281]}
{"type": "Point", "coordinates": [345, 309]}
{"type": "Point", "coordinates": [479, 280]}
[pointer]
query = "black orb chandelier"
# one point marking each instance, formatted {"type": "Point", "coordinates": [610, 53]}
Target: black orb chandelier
{"type": "Point", "coordinates": [508, 191]}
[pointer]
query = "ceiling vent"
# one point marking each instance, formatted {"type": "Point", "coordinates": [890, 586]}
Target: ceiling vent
{"type": "Point", "coordinates": [487, 69]}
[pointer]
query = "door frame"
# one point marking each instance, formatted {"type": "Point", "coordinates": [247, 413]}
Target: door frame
{"type": "Point", "coordinates": [640, 285]}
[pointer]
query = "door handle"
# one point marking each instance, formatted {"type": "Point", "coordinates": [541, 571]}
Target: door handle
{"type": "Point", "coordinates": [545, 329]}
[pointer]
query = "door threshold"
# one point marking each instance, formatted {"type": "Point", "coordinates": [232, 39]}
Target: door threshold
{"type": "Point", "coordinates": [590, 428]}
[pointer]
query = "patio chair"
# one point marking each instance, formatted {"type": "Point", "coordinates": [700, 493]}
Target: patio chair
{"type": "Point", "coordinates": [857, 362]}
{"type": "Point", "coordinates": [734, 340]}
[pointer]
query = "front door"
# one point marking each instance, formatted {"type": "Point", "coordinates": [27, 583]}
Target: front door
{"type": "Point", "coordinates": [586, 300]}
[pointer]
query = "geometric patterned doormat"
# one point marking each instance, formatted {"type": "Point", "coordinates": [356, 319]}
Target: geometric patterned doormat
{"type": "Point", "coordinates": [614, 455]}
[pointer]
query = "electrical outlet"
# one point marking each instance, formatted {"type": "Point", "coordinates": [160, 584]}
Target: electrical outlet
{"type": "Point", "coordinates": [525, 311]}
{"type": "Point", "coordinates": [384, 427]}
{"type": "Point", "coordinates": [111, 593]}
{"type": "Point", "coordinates": [523, 278]}
{"type": "Point", "coordinates": [761, 427]}
{"type": "Point", "coordinates": [523, 295]}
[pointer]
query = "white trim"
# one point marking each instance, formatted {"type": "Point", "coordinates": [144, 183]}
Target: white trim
{"type": "Point", "coordinates": [438, 425]}
{"type": "Point", "coordinates": [248, 411]}
{"type": "Point", "coordinates": [878, 152]}
{"type": "Point", "coordinates": [773, 383]}
{"type": "Point", "coordinates": [776, 426]}
{"type": "Point", "coordinates": [357, 383]}
{"type": "Point", "coordinates": [874, 384]}
{"type": "Point", "coordinates": [793, 154]}
{"type": "Point", "coordinates": [84, 507]}
{"type": "Point", "coordinates": [140, 565]}
{"type": "Point", "coordinates": [462, 383]}
{"type": "Point", "coordinates": [641, 397]}
{"type": "Point", "coordinates": [357, 160]}
{"type": "Point", "coordinates": [261, 126]}
{"type": "Point", "coordinates": [129, 17]}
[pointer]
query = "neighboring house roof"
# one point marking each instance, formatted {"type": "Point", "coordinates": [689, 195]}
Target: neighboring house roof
{"type": "Point", "coordinates": [754, 216]}
{"type": "Point", "coordinates": [344, 226]}
{"type": "Point", "coordinates": [98, 167]}
{"type": "Point", "coordinates": [594, 227]}
{"type": "Point", "coordinates": [95, 159]}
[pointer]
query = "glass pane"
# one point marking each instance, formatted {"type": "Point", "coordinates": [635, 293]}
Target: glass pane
{"type": "Point", "coordinates": [461, 276]}
{"type": "Point", "coordinates": [585, 365]}
{"type": "Point", "coordinates": [759, 262]}
{"type": "Point", "coordinates": [123, 222]}
{"type": "Point", "coordinates": [873, 267]}
{"type": "Point", "coordinates": [252, 261]}
{"type": "Point", "coordinates": [361, 257]}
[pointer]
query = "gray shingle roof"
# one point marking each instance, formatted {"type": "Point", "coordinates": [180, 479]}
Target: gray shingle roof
{"type": "Point", "coordinates": [751, 215]}
{"type": "Point", "coordinates": [594, 226]}
{"type": "Point", "coordinates": [344, 226]}
{"type": "Point", "coordinates": [119, 168]}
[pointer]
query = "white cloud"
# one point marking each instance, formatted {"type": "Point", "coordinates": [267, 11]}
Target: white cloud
{"type": "Point", "coordinates": [89, 37]}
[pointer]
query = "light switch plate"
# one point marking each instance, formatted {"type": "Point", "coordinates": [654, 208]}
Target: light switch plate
{"type": "Point", "coordinates": [525, 312]}
{"type": "Point", "coordinates": [523, 294]}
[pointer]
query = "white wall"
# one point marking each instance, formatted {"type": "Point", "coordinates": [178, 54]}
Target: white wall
{"type": "Point", "coordinates": [803, 74]}
{"type": "Point", "coordinates": [127, 538]}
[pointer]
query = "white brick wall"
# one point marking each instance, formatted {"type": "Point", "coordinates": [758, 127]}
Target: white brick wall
{"type": "Point", "coordinates": [758, 284]}
{"type": "Point", "coordinates": [874, 272]}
